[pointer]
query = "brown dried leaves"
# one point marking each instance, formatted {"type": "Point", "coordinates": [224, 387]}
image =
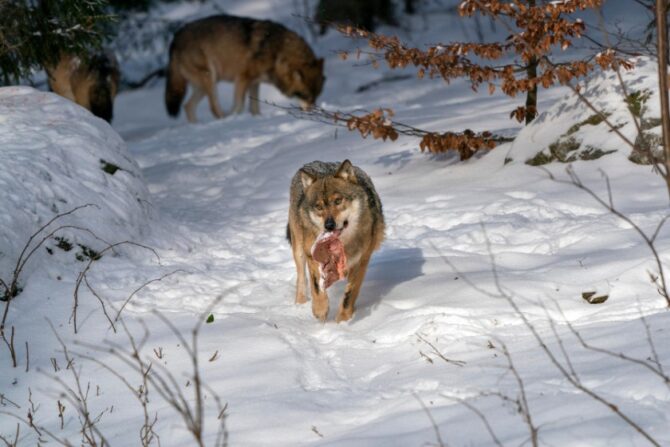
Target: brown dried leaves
{"type": "Point", "coordinates": [376, 124]}
{"type": "Point", "coordinates": [540, 28]}
{"type": "Point", "coordinates": [379, 125]}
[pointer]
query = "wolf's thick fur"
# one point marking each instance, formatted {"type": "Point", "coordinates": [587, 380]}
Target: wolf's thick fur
{"type": "Point", "coordinates": [342, 196]}
{"type": "Point", "coordinates": [240, 50]}
{"type": "Point", "coordinates": [92, 84]}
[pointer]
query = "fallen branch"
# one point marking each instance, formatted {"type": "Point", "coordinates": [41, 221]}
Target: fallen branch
{"type": "Point", "coordinates": [439, 354]}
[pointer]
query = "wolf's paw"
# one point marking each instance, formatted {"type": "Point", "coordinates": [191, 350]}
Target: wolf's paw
{"type": "Point", "coordinates": [344, 315]}
{"type": "Point", "coordinates": [300, 299]}
{"type": "Point", "coordinates": [321, 313]}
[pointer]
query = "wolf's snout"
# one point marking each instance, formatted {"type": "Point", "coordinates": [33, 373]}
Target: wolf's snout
{"type": "Point", "coordinates": [306, 105]}
{"type": "Point", "coordinates": [329, 225]}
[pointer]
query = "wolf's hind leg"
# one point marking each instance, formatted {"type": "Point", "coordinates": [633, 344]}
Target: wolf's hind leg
{"type": "Point", "coordinates": [241, 87]}
{"type": "Point", "coordinates": [213, 95]}
{"type": "Point", "coordinates": [354, 282]}
{"type": "Point", "coordinates": [214, 105]}
{"type": "Point", "coordinates": [254, 99]}
{"type": "Point", "coordinates": [319, 296]}
{"type": "Point", "coordinates": [192, 104]}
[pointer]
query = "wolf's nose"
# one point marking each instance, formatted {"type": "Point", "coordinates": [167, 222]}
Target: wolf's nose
{"type": "Point", "coordinates": [330, 224]}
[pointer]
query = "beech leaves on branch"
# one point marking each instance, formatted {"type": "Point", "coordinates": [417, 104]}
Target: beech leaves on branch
{"type": "Point", "coordinates": [537, 30]}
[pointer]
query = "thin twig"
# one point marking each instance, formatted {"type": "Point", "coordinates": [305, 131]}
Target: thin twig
{"type": "Point", "coordinates": [432, 421]}
{"type": "Point", "coordinates": [82, 274]}
{"type": "Point", "coordinates": [136, 291]}
{"type": "Point", "coordinates": [481, 417]}
{"type": "Point", "coordinates": [566, 373]}
{"type": "Point", "coordinates": [617, 69]}
{"type": "Point", "coordinates": [102, 303]}
{"type": "Point", "coordinates": [600, 114]}
{"type": "Point", "coordinates": [10, 345]}
{"type": "Point", "coordinates": [554, 361]}
{"type": "Point", "coordinates": [15, 442]}
{"type": "Point", "coordinates": [649, 241]}
{"type": "Point", "coordinates": [12, 288]}
{"type": "Point", "coordinates": [654, 368]}
{"type": "Point", "coordinates": [438, 353]}
{"type": "Point", "coordinates": [78, 398]}
{"type": "Point", "coordinates": [523, 401]}
{"type": "Point", "coordinates": [4, 400]}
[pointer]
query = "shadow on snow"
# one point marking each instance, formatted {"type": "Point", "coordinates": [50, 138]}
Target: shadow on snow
{"type": "Point", "coordinates": [388, 268]}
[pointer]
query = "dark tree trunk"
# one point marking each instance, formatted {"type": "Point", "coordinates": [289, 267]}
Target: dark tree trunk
{"type": "Point", "coordinates": [531, 96]}
{"type": "Point", "coordinates": [531, 73]}
{"type": "Point", "coordinates": [662, 32]}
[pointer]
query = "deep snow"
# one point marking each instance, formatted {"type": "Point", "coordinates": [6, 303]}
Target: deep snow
{"type": "Point", "coordinates": [213, 202]}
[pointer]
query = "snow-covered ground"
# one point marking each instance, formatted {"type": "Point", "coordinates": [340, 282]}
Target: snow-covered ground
{"type": "Point", "coordinates": [465, 243]}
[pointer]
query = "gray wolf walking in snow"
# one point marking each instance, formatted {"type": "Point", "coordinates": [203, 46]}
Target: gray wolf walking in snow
{"type": "Point", "coordinates": [244, 51]}
{"type": "Point", "coordinates": [333, 197]}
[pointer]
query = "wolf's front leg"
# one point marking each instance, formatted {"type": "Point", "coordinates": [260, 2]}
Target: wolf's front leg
{"type": "Point", "coordinates": [300, 261]}
{"type": "Point", "coordinates": [354, 282]}
{"type": "Point", "coordinates": [241, 86]}
{"type": "Point", "coordinates": [319, 296]}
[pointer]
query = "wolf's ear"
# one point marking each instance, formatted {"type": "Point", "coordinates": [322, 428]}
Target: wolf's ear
{"type": "Point", "coordinates": [319, 64]}
{"type": "Point", "coordinates": [306, 178]}
{"type": "Point", "coordinates": [297, 76]}
{"type": "Point", "coordinates": [346, 172]}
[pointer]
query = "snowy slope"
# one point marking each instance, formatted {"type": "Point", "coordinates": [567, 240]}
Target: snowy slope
{"type": "Point", "coordinates": [215, 208]}
{"type": "Point", "coordinates": [53, 155]}
{"type": "Point", "coordinates": [604, 91]}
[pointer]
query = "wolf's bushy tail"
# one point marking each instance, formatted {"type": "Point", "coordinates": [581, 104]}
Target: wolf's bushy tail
{"type": "Point", "coordinates": [175, 86]}
{"type": "Point", "coordinates": [105, 74]}
{"type": "Point", "coordinates": [102, 103]}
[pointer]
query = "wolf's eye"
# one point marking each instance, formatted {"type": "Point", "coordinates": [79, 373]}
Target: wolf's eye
{"type": "Point", "coordinates": [318, 207]}
{"type": "Point", "coordinates": [338, 201]}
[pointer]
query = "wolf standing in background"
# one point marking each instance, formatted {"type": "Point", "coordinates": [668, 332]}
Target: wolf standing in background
{"type": "Point", "coordinates": [244, 51]}
{"type": "Point", "coordinates": [91, 83]}
{"type": "Point", "coordinates": [333, 197]}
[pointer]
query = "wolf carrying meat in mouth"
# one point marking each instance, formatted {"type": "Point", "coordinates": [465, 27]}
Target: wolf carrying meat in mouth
{"type": "Point", "coordinates": [332, 202]}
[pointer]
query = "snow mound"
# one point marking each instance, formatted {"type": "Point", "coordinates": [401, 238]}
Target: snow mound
{"type": "Point", "coordinates": [56, 156]}
{"type": "Point", "coordinates": [570, 130]}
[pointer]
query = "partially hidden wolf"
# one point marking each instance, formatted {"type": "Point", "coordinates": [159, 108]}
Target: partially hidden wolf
{"type": "Point", "coordinates": [91, 83]}
{"type": "Point", "coordinates": [244, 51]}
{"type": "Point", "coordinates": [359, 13]}
{"type": "Point", "coordinates": [333, 197]}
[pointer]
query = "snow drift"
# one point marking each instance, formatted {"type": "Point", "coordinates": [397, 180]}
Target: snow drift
{"type": "Point", "coordinates": [570, 130]}
{"type": "Point", "coordinates": [56, 156]}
